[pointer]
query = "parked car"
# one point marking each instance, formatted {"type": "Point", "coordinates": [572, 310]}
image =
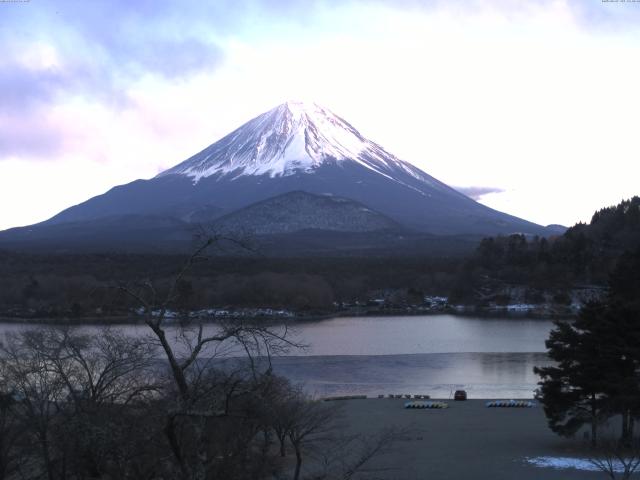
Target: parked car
{"type": "Point", "coordinates": [460, 395]}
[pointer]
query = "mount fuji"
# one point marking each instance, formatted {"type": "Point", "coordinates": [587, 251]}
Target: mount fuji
{"type": "Point", "coordinates": [295, 147]}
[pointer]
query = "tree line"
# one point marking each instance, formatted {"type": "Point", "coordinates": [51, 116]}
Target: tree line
{"type": "Point", "coordinates": [585, 254]}
{"type": "Point", "coordinates": [81, 286]}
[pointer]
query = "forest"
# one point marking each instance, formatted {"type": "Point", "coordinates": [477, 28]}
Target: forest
{"type": "Point", "coordinates": [84, 286]}
{"type": "Point", "coordinates": [585, 254]}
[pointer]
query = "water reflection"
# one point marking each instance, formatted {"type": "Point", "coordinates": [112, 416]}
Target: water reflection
{"type": "Point", "coordinates": [423, 334]}
{"type": "Point", "coordinates": [483, 375]}
{"type": "Point", "coordinates": [390, 335]}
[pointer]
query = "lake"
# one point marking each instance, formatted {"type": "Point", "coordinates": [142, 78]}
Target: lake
{"type": "Point", "coordinates": [430, 354]}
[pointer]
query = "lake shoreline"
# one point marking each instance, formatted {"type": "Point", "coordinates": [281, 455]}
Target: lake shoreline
{"type": "Point", "coordinates": [134, 319]}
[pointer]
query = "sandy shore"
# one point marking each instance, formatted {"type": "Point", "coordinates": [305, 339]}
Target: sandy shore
{"type": "Point", "coordinates": [465, 441]}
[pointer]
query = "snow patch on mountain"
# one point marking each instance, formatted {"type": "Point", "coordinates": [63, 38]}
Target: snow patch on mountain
{"type": "Point", "coordinates": [293, 137]}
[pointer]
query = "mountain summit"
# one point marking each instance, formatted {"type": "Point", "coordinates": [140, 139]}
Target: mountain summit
{"type": "Point", "coordinates": [295, 137]}
{"type": "Point", "coordinates": [295, 147]}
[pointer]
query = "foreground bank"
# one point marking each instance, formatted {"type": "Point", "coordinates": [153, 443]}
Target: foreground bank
{"type": "Point", "coordinates": [465, 441]}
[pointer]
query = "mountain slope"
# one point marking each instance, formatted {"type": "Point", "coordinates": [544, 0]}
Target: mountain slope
{"type": "Point", "coordinates": [117, 233]}
{"type": "Point", "coordinates": [295, 147]}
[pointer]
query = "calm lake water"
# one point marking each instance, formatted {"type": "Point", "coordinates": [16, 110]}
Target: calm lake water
{"type": "Point", "coordinates": [433, 354]}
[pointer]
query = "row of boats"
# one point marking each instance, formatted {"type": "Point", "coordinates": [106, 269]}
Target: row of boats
{"type": "Point", "coordinates": [492, 404]}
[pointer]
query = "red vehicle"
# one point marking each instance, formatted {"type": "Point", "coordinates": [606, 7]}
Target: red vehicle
{"type": "Point", "coordinates": [460, 395]}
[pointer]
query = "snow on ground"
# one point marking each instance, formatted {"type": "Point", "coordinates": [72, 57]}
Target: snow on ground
{"type": "Point", "coordinates": [562, 463]}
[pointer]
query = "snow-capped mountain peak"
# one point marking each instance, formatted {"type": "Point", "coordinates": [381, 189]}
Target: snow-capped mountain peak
{"type": "Point", "coordinates": [297, 136]}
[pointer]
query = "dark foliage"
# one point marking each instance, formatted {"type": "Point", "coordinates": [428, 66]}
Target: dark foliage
{"type": "Point", "coordinates": [78, 407]}
{"type": "Point", "coordinates": [597, 374]}
{"type": "Point", "coordinates": [78, 286]}
{"type": "Point", "coordinates": [585, 254]}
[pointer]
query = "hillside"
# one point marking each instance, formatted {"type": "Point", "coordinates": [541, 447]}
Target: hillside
{"type": "Point", "coordinates": [584, 255]}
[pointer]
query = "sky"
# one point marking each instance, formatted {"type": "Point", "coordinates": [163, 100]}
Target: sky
{"type": "Point", "coordinates": [530, 107]}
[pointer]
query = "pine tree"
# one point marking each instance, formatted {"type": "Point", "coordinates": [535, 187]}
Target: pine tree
{"type": "Point", "coordinates": [573, 391]}
{"type": "Point", "coordinates": [597, 371]}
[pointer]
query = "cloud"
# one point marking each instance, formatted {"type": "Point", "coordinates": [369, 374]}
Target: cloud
{"type": "Point", "coordinates": [40, 138]}
{"type": "Point", "coordinates": [25, 94]}
{"type": "Point", "coordinates": [593, 15]}
{"type": "Point", "coordinates": [478, 192]}
{"type": "Point", "coordinates": [63, 51]}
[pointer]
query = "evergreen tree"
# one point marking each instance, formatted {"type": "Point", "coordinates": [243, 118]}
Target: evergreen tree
{"type": "Point", "coordinates": [597, 371]}
{"type": "Point", "coordinates": [624, 318]}
{"type": "Point", "coordinates": [624, 283]}
{"type": "Point", "coordinates": [573, 391]}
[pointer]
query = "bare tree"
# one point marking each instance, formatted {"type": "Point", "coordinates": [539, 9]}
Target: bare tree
{"type": "Point", "coordinates": [11, 435]}
{"type": "Point", "coordinates": [72, 392]}
{"type": "Point", "coordinates": [614, 457]}
{"type": "Point", "coordinates": [27, 375]}
{"type": "Point", "coordinates": [346, 456]}
{"type": "Point", "coordinates": [311, 422]}
{"type": "Point", "coordinates": [253, 339]}
{"type": "Point", "coordinates": [315, 431]}
{"type": "Point", "coordinates": [96, 369]}
{"type": "Point", "coordinates": [280, 412]}
{"type": "Point", "coordinates": [198, 393]}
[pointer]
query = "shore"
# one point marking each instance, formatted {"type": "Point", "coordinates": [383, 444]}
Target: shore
{"type": "Point", "coordinates": [132, 319]}
{"type": "Point", "coordinates": [465, 441]}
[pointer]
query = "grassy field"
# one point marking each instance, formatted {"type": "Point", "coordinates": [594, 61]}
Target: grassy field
{"type": "Point", "coordinates": [465, 441]}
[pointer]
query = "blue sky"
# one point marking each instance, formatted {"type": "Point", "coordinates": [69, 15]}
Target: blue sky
{"type": "Point", "coordinates": [530, 106]}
